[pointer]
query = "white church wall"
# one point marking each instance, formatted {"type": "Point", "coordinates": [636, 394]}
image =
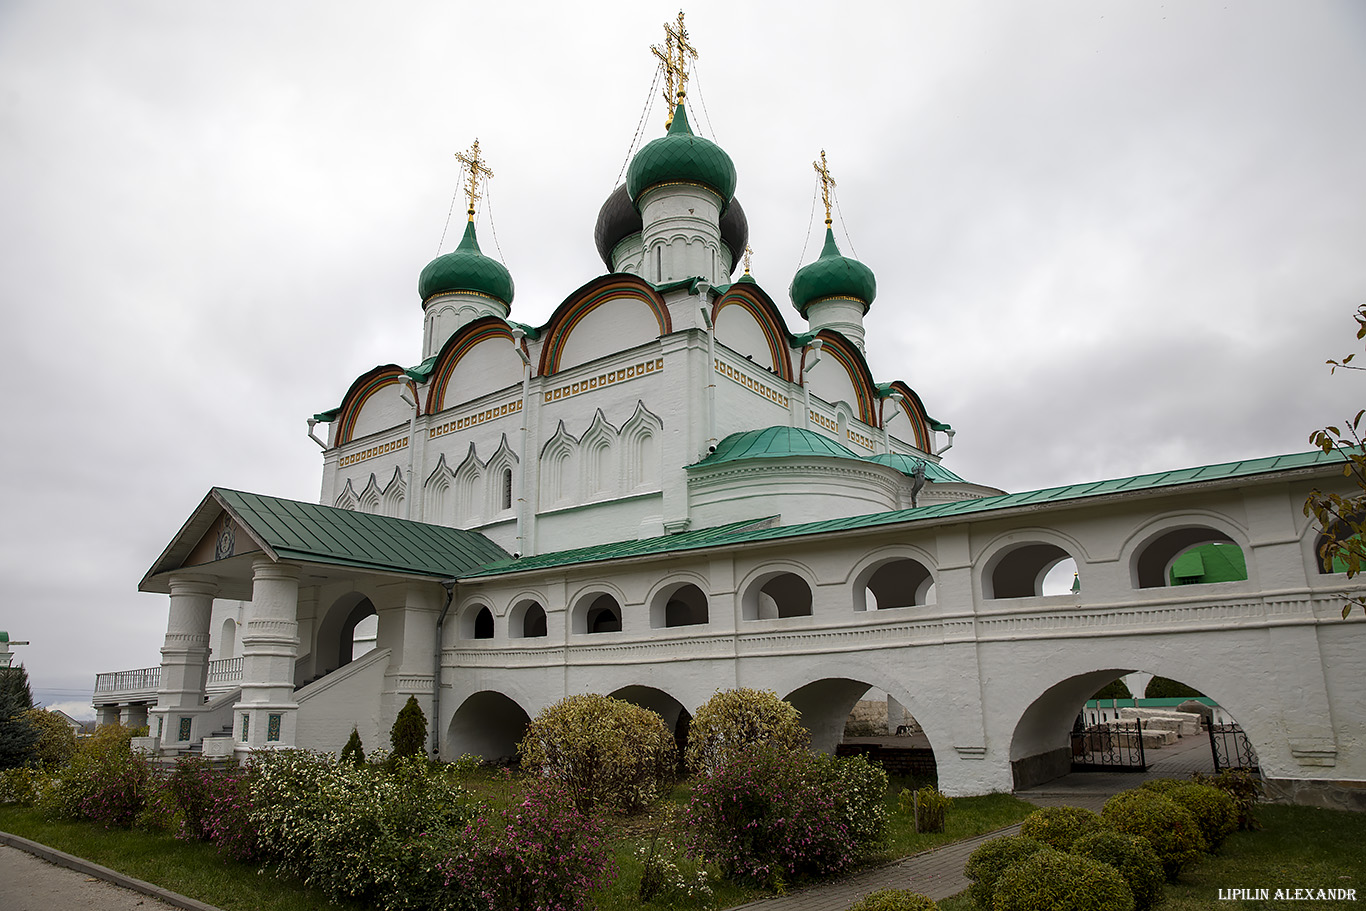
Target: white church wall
{"type": "Point", "coordinates": [383, 410]}
{"type": "Point", "coordinates": [738, 330]}
{"type": "Point", "coordinates": [490, 366]}
{"type": "Point", "coordinates": [606, 330]}
{"type": "Point", "coordinates": [749, 397]}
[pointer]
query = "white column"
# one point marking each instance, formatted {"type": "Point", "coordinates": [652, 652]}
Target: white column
{"type": "Point", "coordinates": [184, 659]}
{"type": "Point", "coordinates": [270, 645]}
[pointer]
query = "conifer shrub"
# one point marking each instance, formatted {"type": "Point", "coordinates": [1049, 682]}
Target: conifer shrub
{"type": "Point", "coordinates": [605, 752]}
{"type": "Point", "coordinates": [732, 721]}
{"type": "Point", "coordinates": [987, 863]}
{"type": "Point", "coordinates": [541, 853]}
{"type": "Point", "coordinates": [1168, 826]}
{"type": "Point", "coordinates": [894, 900]}
{"type": "Point", "coordinates": [1059, 827]}
{"type": "Point", "coordinates": [409, 733]}
{"type": "Point", "coordinates": [1133, 856]}
{"type": "Point", "coordinates": [1051, 880]}
{"type": "Point", "coordinates": [1215, 812]}
{"type": "Point", "coordinates": [1245, 789]}
{"type": "Point", "coordinates": [354, 752]}
{"type": "Point", "coordinates": [769, 816]}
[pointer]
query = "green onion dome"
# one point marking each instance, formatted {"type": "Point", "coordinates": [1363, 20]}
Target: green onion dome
{"type": "Point", "coordinates": [679, 156]}
{"type": "Point", "coordinates": [466, 269]}
{"type": "Point", "coordinates": [832, 275]}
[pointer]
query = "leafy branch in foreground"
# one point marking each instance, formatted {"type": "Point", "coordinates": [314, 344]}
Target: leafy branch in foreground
{"type": "Point", "coordinates": [1342, 518]}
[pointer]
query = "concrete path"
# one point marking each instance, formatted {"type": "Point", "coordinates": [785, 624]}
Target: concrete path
{"type": "Point", "coordinates": [939, 873]}
{"type": "Point", "coordinates": [34, 877]}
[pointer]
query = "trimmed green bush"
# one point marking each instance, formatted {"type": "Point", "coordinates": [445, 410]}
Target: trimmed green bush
{"type": "Point", "coordinates": [409, 733]}
{"type": "Point", "coordinates": [894, 900]}
{"type": "Point", "coordinates": [1168, 826]}
{"type": "Point", "coordinates": [1215, 812]}
{"type": "Point", "coordinates": [1050, 880]}
{"type": "Point", "coordinates": [1133, 856]}
{"type": "Point", "coordinates": [929, 805]}
{"type": "Point", "coordinates": [987, 863]}
{"type": "Point", "coordinates": [354, 752]}
{"type": "Point", "coordinates": [1059, 827]}
{"type": "Point", "coordinates": [734, 720]}
{"type": "Point", "coordinates": [1245, 789]}
{"type": "Point", "coordinates": [603, 751]}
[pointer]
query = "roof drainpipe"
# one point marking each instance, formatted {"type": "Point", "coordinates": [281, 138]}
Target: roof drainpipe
{"type": "Point", "coordinates": [313, 422]}
{"type": "Point", "coordinates": [449, 586]}
{"type": "Point", "coordinates": [702, 289]}
{"type": "Point", "coordinates": [407, 390]}
{"type": "Point", "coordinates": [815, 349]}
{"type": "Point", "coordinates": [882, 416]}
{"type": "Point", "coordinates": [947, 446]}
{"type": "Point", "coordinates": [519, 345]}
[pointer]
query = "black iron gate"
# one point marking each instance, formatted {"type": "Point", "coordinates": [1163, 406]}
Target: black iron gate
{"type": "Point", "coordinates": [1113, 747]}
{"type": "Point", "coordinates": [1231, 748]}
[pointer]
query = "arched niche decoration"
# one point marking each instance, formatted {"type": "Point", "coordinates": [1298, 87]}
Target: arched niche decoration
{"type": "Point", "coordinates": [579, 305]}
{"type": "Point", "coordinates": [461, 344]}
{"type": "Point", "coordinates": [362, 391]}
{"type": "Point", "coordinates": [844, 352]}
{"type": "Point", "coordinates": [752, 299]}
{"type": "Point", "coordinates": [914, 409]}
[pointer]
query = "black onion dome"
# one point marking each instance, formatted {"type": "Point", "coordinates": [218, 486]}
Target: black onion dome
{"type": "Point", "coordinates": [617, 220]}
{"type": "Point", "coordinates": [735, 232]}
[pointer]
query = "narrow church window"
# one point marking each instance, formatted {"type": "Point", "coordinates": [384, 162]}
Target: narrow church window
{"type": "Point", "coordinates": [659, 264]}
{"type": "Point", "coordinates": [507, 488]}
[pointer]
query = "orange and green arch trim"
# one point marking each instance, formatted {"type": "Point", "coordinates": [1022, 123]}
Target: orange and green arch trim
{"type": "Point", "coordinates": [366, 385]}
{"type": "Point", "coordinates": [568, 315]}
{"type": "Point", "coordinates": [751, 298]}
{"type": "Point", "coordinates": [456, 347]}
{"type": "Point", "coordinates": [847, 354]}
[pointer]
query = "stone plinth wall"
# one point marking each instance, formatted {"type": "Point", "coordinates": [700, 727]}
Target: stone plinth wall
{"type": "Point", "coordinates": [910, 762]}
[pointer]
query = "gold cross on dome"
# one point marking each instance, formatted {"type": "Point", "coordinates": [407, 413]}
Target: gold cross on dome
{"type": "Point", "coordinates": [674, 56]}
{"type": "Point", "coordinates": [826, 183]}
{"type": "Point", "coordinates": [478, 170]}
{"type": "Point", "coordinates": [749, 254]}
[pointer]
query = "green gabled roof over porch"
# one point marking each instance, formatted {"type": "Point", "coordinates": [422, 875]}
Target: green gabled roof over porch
{"type": "Point", "coordinates": [312, 533]}
{"type": "Point", "coordinates": [765, 530]}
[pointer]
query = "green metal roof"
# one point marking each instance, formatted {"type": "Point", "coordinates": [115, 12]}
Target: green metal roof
{"type": "Point", "coordinates": [740, 533]}
{"type": "Point", "coordinates": [294, 530]}
{"type": "Point", "coordinates": [906, 465]}
{"type": "Point", "coordinates": [679, 155]}
{"type": "Point", "coordinates": [687, 540]}
{"type": "Point", "coordinates": [832, 275]}
{"type": "Point", "coordinates": [775, 442]}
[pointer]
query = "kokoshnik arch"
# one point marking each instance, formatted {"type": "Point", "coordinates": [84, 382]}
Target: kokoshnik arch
{"type": "Point", "coordinates": [664, 491]}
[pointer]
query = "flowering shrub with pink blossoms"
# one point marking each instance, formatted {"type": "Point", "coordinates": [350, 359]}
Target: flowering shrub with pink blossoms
{"type": "Point", "coordinates": [539, 855]}
{"type": "Point", "coordinates": [772, 815]}
{"type": "Point", "coordinates": [106, 782]}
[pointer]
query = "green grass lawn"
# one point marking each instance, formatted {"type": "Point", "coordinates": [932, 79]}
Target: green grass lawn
{"type": "Point", "coordinates": [1300, 847]}
{"type": "Point", "coordinates": [191, 868]}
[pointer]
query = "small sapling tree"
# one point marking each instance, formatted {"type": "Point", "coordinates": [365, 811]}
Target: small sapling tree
{"type": "Point", "coordinates": [409, 734]}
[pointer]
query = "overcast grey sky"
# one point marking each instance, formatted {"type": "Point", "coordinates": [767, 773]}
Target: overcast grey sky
{"type": "Point", "coordinates": [1109, 237]}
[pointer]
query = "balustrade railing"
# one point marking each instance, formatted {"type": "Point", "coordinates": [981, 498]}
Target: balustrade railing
{"type": "Point", "coordinates": [135, 681]}
{"type": "Point", "coordinates": [225, 670]}
{"type": "Point", "coordinates": [145, 680]}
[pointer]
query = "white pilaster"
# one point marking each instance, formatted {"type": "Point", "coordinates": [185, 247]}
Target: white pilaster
{"type": "Point", "coordinates": [265, 714]}
{"type": "Point", "coordinates": [184, 660]}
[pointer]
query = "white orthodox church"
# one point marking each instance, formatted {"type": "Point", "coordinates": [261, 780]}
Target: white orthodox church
{"type": "Point", "coordinates": [664, 491]}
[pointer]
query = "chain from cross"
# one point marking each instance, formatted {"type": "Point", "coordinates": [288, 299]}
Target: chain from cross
{"type": "Point", "coordinates": [826, 183]}
{"type": "Point", "coordinates": [674, 56]}
{"type": "Point", "coordinates": [477, 169]}
{"type": "Point", "coordinates": [749, 254]}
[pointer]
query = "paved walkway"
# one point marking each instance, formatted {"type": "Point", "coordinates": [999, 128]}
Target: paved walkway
{"type": "Point", "coordinates": [939, 873]}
